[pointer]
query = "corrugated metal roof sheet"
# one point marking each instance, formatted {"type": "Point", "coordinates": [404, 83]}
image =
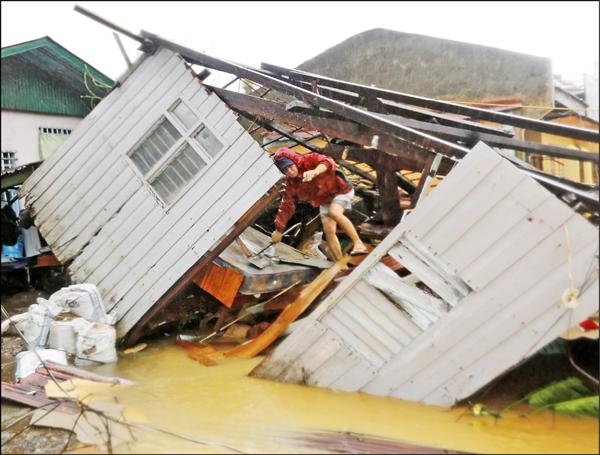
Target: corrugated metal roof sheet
{"type": "Point", "coordinates": [42, 76]}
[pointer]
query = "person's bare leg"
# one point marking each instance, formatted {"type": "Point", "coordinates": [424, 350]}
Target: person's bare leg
{"type": "Point", "coordinates": [336, 213]}
{"type": "Point", "coordinates": [329, 227]}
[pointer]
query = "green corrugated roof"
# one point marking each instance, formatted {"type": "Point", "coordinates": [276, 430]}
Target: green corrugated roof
{"type": "Point", "coordinates": [42, 76]}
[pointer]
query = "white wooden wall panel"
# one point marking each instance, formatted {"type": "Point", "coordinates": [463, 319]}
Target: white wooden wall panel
{"type": "Point", "coordinates": [74, 160]}
{"type": "Point", "coordinates": [85, 127]}
{"type": "Point", "coordinates": [539, 223]}
{"type": "Point", "coordinates": [102, 166]}
{"type": "Point", "coordinates": [374, 321]}
{"type": "Point", "coordinates": [95, 177]}
{"type": "Point", "coordinates": [285, 354]}
{"type": "Point", "coordinates": [497, 297]}
{"type": "Point", "coordinates": [512, 241]}
{"type": "Point", "coordinates": [157, 229]}
{"type": "Point", "coordinates": [458, 184]}
{"type": "Point", "coordinates": [487, 194]}
{"type": "Point", "coordinates": [109, 238]}
{"type": "Point", "coordinates": [166, 231]}
{"type": "Point", "coordinates": [355, 378]}
{"type": "Point", "coordinates": [158, 285]}
{"type": "Point", "coordinates": [337, 366]}
{"type": "Point", "coordinates": [95, 208]}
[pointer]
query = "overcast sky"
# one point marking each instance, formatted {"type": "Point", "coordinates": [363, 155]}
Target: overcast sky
{"type": "Point", "coordinates": [289, 33]}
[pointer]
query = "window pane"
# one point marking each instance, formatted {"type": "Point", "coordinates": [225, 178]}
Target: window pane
{"type": "Point", "coordinates": [155, 146]}
{"type": "Point", "coordinates": [185, 115]}
{"type": "Point", "coordinates": [179, 172]}
{"type": "Point", "coordinates": [193, 156]}
{"type": "Point", "coordinates": [208, 141]}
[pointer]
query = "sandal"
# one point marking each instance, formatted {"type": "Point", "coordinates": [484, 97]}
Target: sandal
{"type": "Point", "coordinates": [359, 251]}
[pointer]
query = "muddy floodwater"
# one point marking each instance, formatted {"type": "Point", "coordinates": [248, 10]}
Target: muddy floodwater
{"type": "Point", "coordinates": [222, 410]}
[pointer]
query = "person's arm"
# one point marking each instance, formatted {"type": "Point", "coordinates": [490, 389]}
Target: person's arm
{"type": "Point", "coordinates": [309, 175]}
{"type": "Point", "coordinates": [319, 164]}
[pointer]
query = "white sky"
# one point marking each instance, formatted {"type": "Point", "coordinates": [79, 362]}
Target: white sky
{"type": "Point", "coordinates": [289, 33]}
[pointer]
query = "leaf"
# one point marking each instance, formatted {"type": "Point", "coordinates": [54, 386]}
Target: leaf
{"type": "Point", "coordinates": [569, 389]}
{"type": "Point", "coordinates": [587, 406]}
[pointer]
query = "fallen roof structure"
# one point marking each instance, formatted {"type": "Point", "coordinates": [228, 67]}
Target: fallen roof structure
{"type": "Point", "coordinates": [161, 177]}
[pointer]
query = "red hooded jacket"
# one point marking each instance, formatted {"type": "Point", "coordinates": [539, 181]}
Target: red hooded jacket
{"type": "Point", "coordinates": [321, 190]}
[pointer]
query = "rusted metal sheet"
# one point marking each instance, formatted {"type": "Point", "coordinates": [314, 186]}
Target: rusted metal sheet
{"type": "Point", "coordinates": [506, 266]}
{"type": "Point", "coordinates": [31, 389]}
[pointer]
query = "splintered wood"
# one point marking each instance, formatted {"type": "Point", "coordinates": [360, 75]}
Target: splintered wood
{"type": "Point", "coordinates": [209, 356]}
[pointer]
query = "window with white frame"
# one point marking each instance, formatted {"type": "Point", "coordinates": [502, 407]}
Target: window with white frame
{"type": "Point", "coordinates": [177, 149]}
{"type": "Point", "coordinates": [9, 160]}
{"type": "Point", "coordinates": [50, 139]}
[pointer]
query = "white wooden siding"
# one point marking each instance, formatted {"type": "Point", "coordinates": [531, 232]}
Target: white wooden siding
{"type": "Point", "coordinates": [98, 213]}
{"type": "Point", "coordinates": [498, 248]}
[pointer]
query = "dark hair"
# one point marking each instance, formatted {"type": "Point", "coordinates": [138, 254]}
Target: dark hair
{"type": "Point", "coordinates": [283, 163]}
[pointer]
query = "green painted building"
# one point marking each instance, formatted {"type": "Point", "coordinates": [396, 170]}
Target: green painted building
{"type": "Point", "coordinates": [42, 76]}
{"type": "Point", "coordinates": [46, 91]}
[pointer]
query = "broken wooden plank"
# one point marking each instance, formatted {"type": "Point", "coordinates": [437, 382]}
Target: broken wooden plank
{"type": "Point", "coordinates": [222, 283]}
{"type": "Point", "coordinates": [210, 356]}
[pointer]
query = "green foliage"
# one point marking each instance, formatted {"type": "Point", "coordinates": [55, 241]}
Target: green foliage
{"type": "Point", "coordinates": [569, 396]}
{"type": "Point", "coordinates": [557, 392]}
{"type": "Point", "coordinates": [587, 406]}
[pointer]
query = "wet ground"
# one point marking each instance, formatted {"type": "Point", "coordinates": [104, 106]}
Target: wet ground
{"type": "Point", "coordinates": [185, 407]}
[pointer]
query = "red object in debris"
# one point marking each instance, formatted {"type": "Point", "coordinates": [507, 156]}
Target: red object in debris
{"type": "Point", "coordinates": [47, 260]}
{"type": "Point", "coordinates": [258, 329]}
{"type": "Point", "coordinates": [589, 324]}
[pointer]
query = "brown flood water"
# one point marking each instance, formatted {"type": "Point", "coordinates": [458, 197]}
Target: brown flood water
{"type": "Point", "coordinates": [220, 405]}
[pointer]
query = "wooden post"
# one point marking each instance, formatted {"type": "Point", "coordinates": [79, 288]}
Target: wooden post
{"type": "Point", "coordinates": [429, 173]}
{"type": "Point", "coordinates": [187, 278]}
{"type": "Point", "coordinates": [387, 184]}
{"type": "Point", "coordinates": [421, 184]}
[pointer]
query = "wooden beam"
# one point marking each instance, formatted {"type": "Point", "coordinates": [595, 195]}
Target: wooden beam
{"type": "Point", "coordinates": [446, 106]}
{"type": "Point", "coordinates": [248, 218]}
{"type": "Point", "coordinates": [413, 157]}
{"type": "Point", "coordinates": [376, 105]}
{"type": "Point", "coordinates": [461, 131]}
{"type": "Point", "coordinates": [352, 113]}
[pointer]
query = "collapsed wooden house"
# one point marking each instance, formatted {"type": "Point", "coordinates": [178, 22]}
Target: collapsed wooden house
{"type": "Point", "coordinates": [508, 268]}
{"type": "Point", "coordinates": [161, 177]}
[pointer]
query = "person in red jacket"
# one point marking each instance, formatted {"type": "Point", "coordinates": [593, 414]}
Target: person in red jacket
{"type": "Point", "coordinates": [312, 178]}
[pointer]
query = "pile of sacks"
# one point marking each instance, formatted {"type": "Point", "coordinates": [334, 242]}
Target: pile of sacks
{"type": "Point", "coordinates": [73, 320]}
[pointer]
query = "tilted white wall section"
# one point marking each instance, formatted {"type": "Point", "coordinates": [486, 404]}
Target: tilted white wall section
{"type": "Point", "coordinates": [511, 241]}
{"type": "Point", "coordinates": [95, 209]}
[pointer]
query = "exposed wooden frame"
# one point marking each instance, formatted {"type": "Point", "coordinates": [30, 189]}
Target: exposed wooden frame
{"type": "Point", "coordinates": [446, 106]}
{"type": "Point", "coordinates": [413, 157]}
{"type": "Point", "coordinates": [352, 113]}
{"type": "Point", "coordinates": [461, 131]}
